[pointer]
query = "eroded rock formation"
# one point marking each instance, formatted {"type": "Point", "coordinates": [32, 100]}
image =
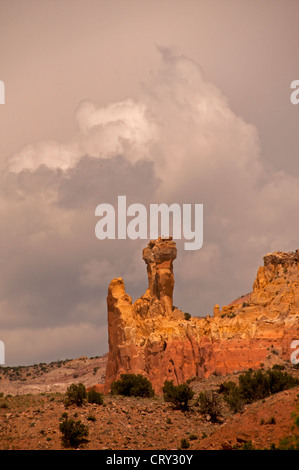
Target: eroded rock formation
{"type": "Point", "coordinates": [153, 338]}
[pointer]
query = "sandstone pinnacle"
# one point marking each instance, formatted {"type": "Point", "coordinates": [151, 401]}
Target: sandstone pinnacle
{"type": "Point", "coordinates": [153, 338]}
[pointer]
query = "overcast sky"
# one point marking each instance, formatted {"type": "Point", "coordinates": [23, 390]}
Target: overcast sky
{"type": "Point", "coordinates": [161, 101]}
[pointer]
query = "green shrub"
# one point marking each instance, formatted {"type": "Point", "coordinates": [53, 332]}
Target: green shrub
{"type": "Point", "coordinates": [232, 396]}
{"type": "Point", "coordinates": [132, 385]}
{"type": "Point", "coordinates": [75, 394]}
{"type": "Point", "coordinates": [187, 316]}
{"type": "Point", "coordinates": [272, 420]}
{"type": "Point", "coordinates": [95, 397]}
{"type": "Point", "coordinates": [185, 444]}
{"type": "Point", "coordinates": [256, 385]}
{"type": "Point", "coordinates": [247, 446]}
{"type": "Point", "coordinates": [278, 367]}
{"type": "Point", "coordinates": [292, 441]}
{"type": "Point", "coordinates": [210, 404]}
{"type": "Point", "coordinates": [91, 418]}
{"type": "Point", "coordinates": [73, 432]}
{"type": "Point", "coordinates": [178, 395]}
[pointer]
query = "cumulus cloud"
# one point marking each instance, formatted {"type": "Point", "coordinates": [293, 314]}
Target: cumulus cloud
{"type": "Point", "coordinates": [49, 153]}
{"type": "Point", "coordinates": [180, 141]}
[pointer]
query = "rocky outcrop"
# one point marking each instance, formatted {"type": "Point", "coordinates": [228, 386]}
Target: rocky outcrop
{"type": "Point", "coordinates": [153, 338]}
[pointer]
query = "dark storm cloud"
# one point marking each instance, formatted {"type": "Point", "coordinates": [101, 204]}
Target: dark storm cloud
{"type": "Point", "coordinates": [56, 273]}
{"type": "Point", "coordinates": [93, 181]}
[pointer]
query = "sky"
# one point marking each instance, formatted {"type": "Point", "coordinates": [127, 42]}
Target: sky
{"type": "Point", "coordinates": [163, 101]}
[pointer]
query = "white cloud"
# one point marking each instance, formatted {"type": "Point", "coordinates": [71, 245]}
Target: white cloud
{"type": "Point", "coordinates": [49, 153]}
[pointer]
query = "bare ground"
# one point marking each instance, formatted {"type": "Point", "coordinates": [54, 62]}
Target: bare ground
{"type": "Point", "coordinates": [31, 420]}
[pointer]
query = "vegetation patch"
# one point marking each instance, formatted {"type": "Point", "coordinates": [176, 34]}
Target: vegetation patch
{"type": "Point", "coordinates": [73, 432]}
{"type": "Point", "coordinates": [179, 395]}
{"type": "Point", "coordinates": [256, 385]}
{"type": "Point", "coordinates": [75, 395]}
{"type": "Point", "coordinates": [132, 385]}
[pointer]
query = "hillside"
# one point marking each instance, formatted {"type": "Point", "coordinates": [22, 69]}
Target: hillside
{"type": "Point", "coordinates": [31, 421]}
{"type": "Point", "coordinates": [52, 377]}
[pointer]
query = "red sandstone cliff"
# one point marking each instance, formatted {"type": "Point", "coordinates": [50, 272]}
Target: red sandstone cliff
{"type": "Point", "coordinates": [153, 338]}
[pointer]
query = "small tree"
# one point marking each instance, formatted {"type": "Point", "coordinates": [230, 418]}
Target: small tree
{"type": "Point", "coordinates": [75, 394]}
{"type": "Point", "coordinates": [178, 395]}
{"type": "Point", "coordinates": [95, 397]}
{"type": "Point", "coordinates": [232, 396]}
{"type": "Point", "coordinates": [132, 385]}
{"type": "Point", "coordinates": [256, 385]}
{"type": "Point", "coordinates": [185, 444]}
{"type": "Point", "coordinates": [73, 432]}
{"type": "Point", "coordinates": [210, 404]}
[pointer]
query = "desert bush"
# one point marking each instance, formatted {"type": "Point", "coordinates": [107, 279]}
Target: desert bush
{"type": "Point", "coordinates": [73, 432]}
{"type": "Point", "coordinates": [210, 404]}
{"type": "Point", "coordinates": [247, 446]}
{"type": "Point", "coordinates": [178, 395]}
{"type": "Point", "coordinates": [256, 385]}
{"type": "Point", "coordinates": [94, 397]}
{"type": "Point", "coordinates": [271, 420]}
{"type": "Point", "coordinates": [278, 367]}
{"type": "Point", "coordinates": [91, 418]}
{"type": "Point", "coordinates": [132, 385]}
{"type": "Point", "coordinates": [75, 394]}
{"type": "Point", "coordinates": [291, 442]}
{"type": "Point", "coordinates": [232, 396]}
{"type": "Point", "coordinates": [185, 444]}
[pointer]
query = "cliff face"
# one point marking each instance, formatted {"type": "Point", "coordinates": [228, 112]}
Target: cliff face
{"type": "Point", "coordinates": [153, 338]}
